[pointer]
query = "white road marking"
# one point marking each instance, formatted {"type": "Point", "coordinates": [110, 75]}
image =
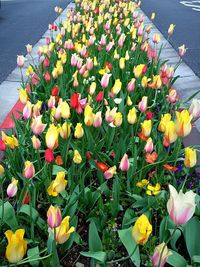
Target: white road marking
{"type": "Point", "coordinates": [192, 4]}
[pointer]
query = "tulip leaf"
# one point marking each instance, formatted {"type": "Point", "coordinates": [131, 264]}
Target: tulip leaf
{"type": "Point", "coordinates": [95, 243]}
{"type": "Point", "coordinates": [33, 253]}
{"type": "Point", "coordinates": [196, 259]}
{"type": "Point", "coordinates": [165, 226]}
{"type": "Point", "coordinates": [175, 238]}
{"type": "Point", "coordinates": [190, 231]}
{"type": "Point", "coordinates": [8, 215]}
{"type": "Point", "coordinates": [176, 260]}
{"type": "Point", "coordinates": [57, 169]}
{"type": "Point", "coordinates": [125, 236]}
{"type": "Point", "coordinates": [98, 255]}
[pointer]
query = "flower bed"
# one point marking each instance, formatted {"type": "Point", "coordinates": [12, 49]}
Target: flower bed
{"type": "Point", "coordinates": [95, 171]}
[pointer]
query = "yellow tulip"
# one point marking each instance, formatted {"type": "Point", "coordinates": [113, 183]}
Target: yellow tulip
{"type": "Point", "coordinates": [116, 87]}
{"type": "Point", "coordinates": [183, 123]}
{"type": "Point", "coordinates": [10, 141]}
{"type": "Point", "coordinates": [122, 63]}
{"type": "Point", "coordinates": [77, 157]}
{"type": "Point", "coordinates": [79, 132]}
{"type": "Point", "coordinates": [118, 119]}
{"type": "Point", "coordinates": [51, 137]}
{"type": "Point", "coordinates": [139, 70]}
{"type": "Point", "coordinates": [65, 130]}
{"type": "Point", "coordinates": [132, 116]}
{"type": "Point", "coordinates": [170, 134]}
{"type": "Point", "coordinates": [164, 120]}
{"type": "Point", "coordinates": [129, 101]}
{"type": "Point", "coordinates": [65, 110]}
{"type": "Point", "coordinates": [64, 231]}
{"type": "Point", "coordinates": [1, 170]}
{"type": "Point", "coordinates": [88, 116]}
{"type": "Point", "coordinates": [141, 230]}
{"type": "Point", "coordinates": [58, 185]}
{"type": "Point", "coordinates": [17, 246]}
{"type": "Point", "coordinates": [171, 29]}
{"type": "Point", "coordinates": [190, 157]}
{"type": "Point", "coordinates": [23, 97]}
{"type": "Point", "coordinates": [146, 127]}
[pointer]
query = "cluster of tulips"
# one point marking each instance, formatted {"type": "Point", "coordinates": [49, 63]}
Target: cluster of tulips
{"type": "Point", "coordinates": [93, 162]}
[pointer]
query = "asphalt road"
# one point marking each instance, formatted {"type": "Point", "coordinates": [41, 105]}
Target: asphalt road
{"type": "Point", "coordinates": [186, 16]}
{"type": "Point", "coordinates": [22, 22]}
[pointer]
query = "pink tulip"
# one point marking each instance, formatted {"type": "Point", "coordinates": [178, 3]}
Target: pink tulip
{"type": "Point", "coordinates": [182, 50]}
{"type": "Point", "coordinates": [20, 61]}
{"type": "Point", "coordinates": [105, 80]}
{"type": "Point", "coordinates": [121, 40]}
{"type": "Point", "coordinates": [29, 170]}
{"type": "Point", "coordinates": [110, 172]}
{"type": "Point", "coordinates": [160, 250]}
{"type": "Point", "coordinates": [124, 164]}
{"type": "Point", "coordinates": [103, 40]}
{"type": "Point", "coordinates": [54, 217]}
{"type": "Point", "coordinates": [149, 145]}
{"type": "Point", "coordinates": [74, 60]}
{"type": "Point", "coordinates": [27, 111]}
{"type": "Point", "coordinates": [37, 126]}
{"type": "Point", "coordinates": [89, 64]}
{"type": "Point", "coordinates": [180, 206]}
{"type": "Point", "coordinates": [195, 108]}
{"type": "Point", "coordinates": [12, 188]}
{"type": "Point", "coordinates": [109, 46]}
{"type": "Point", "coordinates": [51, 102]}
{"type": "Point", "coordinates": [143, 104]}
{"type": "Point", "coordinates": [131, 85]}
{"type": "Point", "coordinates": [97, 119]}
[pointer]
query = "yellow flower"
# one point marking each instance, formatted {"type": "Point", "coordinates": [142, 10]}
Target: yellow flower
{"type": "Point", "coordinates": [153, 190]}
{"type": "Point", "coordinates": [58, 185]}
{"type": "Point", "coordinates": [51, 137]}
{"type": "Point", "coordinates": [122, 63]}
{"type": "Point", "coordinates": [143, 183]}
{"type": "Point", "coordinates": [139, 70]}
{"type": "Point", "coordinates": [190, 157]}
{"type": "Point", "coordinates": [29, 71]}
{"type": "Point", "coordinates": [144, 81]}
{"type": "Point", "coordinates": [104, 70]}
{"type": "Point", "coordinates": [183, 123]}
{"type": "Point", "coordinates": [23, 97]}
{"type": "Point", "coordinates": [77, 157]}
{"type": "Point", "coordinates": [65, 130]}
{"type": "Point", "coordinates": [1, 170]}
{"type": "Point", "coordinates": [10, 141]}
{"type": "Point", "coordinates": [171, 29]}
{"type": "Point", "coordinates": [132, 116]}
{"type": "Point", "coordinates": [116, 87]}
{"type": "Point", "coordinates": [146, 128]}
{"type": "Point", "coordinates": [17, 246]}
{"type": "Point", "coordinates": [141, 230]}
{"type": "Point", "coordinates": [165, 118]}
{"type": "Point", "coordinates": [170, 134]}
{"type": "Point", "coordinates": [157, 83]}
{"type": "Point", "coordinates": [88, 116]}
{"type": "Point", "coordinates": [64, 231]}
{"type": "Point", "coordinates": [65, 110]}
{"type": "Point", "coordinates": [128, 101]}
{"type": "Point", "coordinates": [118, 119]}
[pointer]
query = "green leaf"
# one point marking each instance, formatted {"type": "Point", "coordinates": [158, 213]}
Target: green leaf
{"type": "Point", "coordinates": [33, 253]}
{"type": "Point", "coordinates": [95, 243]}
{"type": "Point", "coordinates": [99, 255]}
{"type": "Point", "coordinates": [190, 231]}
{"type": "Point", "coordinates": [9, 215]}
{"type": "Point", "coordinates": [176, 260]}
{"type": "Point", "coordinates": [129, 217]}
{"type": "Point", "coordinates": [125, 236]}
{"type": "Point", "coordinates": [165, 226]}
{"type": "Point", "coordinates": [175, 238]}
{"type": "Point", "coordinates": [57, 169]}
{"type": "Point", "coordinates": [196, 259]}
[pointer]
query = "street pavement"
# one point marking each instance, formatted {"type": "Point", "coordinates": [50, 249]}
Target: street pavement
{"type": "Point", "coordinates": [23, 22]}
{"type": "Point", "coordinates": [186, 16]}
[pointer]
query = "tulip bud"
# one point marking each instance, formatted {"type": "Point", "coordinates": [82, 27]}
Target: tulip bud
{"type": "Point", "coordinates": [77, 157]}
{"type": "Point", "coordinates": [97, 120]}
{"type": "Point", "coordinates": [1, 170]}
{"type": "Point", "coordinates": [54, 217]}
{"type": "Point", "coordinates": [131, 85]}
{"type": "Point", "coordinates": [49, 156]}
{"type": "Point", "coordinates": [51, 137]}
{"type": "Point", "coordinates": [20, 61]}
{"type": "Point", "coordinates": [51, 102]}
{"type": "Point", "coordinates": [29, 170]}
{"type": "Point", "coordinates": [27, 111]}
{"type": "Point", "coordinates": [88, 116]}
{"type": "Point", "coordinates": [146, 128]}
{"type": "Point", "coordinates": [47, 77]}
{"type": "Point", "coordinates": [99, 97]}
{"type": "Point", "coordinates": [105, 80]}
{"type": "Point", "coordinates": [195, 108]}
{"type": "Point", "coordinates": [36, 142]}
{"type": "Point", "coordinates": [118, 119]}
{"type": "Point", "coordinates": [139, 70]}
{"type": "Point", "coordinates": [79, 132]}
{"type": "Point", "coordinates": [23, 97]}
{"type": "Point", "coordinates": [54, 91]}
{"type": "Point", "coordinates": [12, 188]}
{"type": "Point", "coordinates": [102, 166]}
{"type": "Point", "coordinates": [110, 173]}
{"type": "Point", "coordinates": [171, 29]}
{"type": "Point", "coordinates": [122, 63]}
{"type": "Point", "coordinates": [116, 87]}
{"type": "Point", "coordinates": [124, 164]}
{"type": "Point", "coordinates": [190, 157]}
{"type": "Point", "coordinates": [161, 253]}
{"type": "Point", "coordinates": [180, 206]}
{"type": "Point", "coordinates": [182, 50]}
{"type": "Point", "coordinates": [92, 88]}
{"type": "Point", "coordinates": [29, 48]}
{"type": "Point", "coordinates": [143, 104]}
{"type": "Point", "coordinates": [156, 38]}
{"type": "Point", "coordinates": [132, 116]}
{"type": "Point", "coordinates": [128, 101]}
{"type": "Point", "coordinates": [149, 145]}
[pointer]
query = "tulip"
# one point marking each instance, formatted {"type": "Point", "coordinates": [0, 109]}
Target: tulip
{"type": "Point", "coordinates": [190, 157]}
{"type": "Point", "coordinates": [63, 231]}
{"type": "Point", "coordinates": [17, 246]}
{"type": "Point", "coordinates": [74, 100]}
{"type": "Point", "coordinates": [89, 64]}
{"type": "Point", "coordinates": [161, 253]}
{"type": "Point", "coordinates": [110, 172]}
{"type": "Point", "coordinates": [12, 188]}
{"type": "Point", "coordinates": [153, 15]}
{"type": "Point", "coordinates": [195, 108]}
{"type": "Point", "coordinates": [29, 170]}
{"type": "Point", "coordinates": [92, 88]}
{"type": "Point", "coordinates": [88, 116]}
{"type": "Point", "coordinates": [77, 157]}
{"type": "Point", "coordinates": [102, 166]}
{"type": "Point", "coordinates": [129, 101]}
{"type": "Point", "coordinates": [182, 50]}
{"type": "Point", "coordinates": [157, 82]}
{"type": "Point", "coordinates": [54, 217]}
{"type": "Point", "coordinates": [58, 185]}
{"type": "Point", "coordinates": [29, 48]}
{"type": "Point", "coordinates": [131, 85]}
{"type": "Point", "coordinates": [146, 128]}
{"type": "Point", "coordinates": [183, 123]}
{"type": "Point", "coordinates": [79, 132]}
{"type": "Point", "coordinates": [10, 141]}
{"type": "Point", "coordinates": [132, 116]}
{"type": "Point", "coordinates": [118, 119]}
{"type": "Point", "coordinates": [51, 102]}
{"type": "Point", "coordinates": [23, 97]}
{"type": "Point", "coordinates": [51, 137]}
{"type": "Point", "coordinates": [46, 62]}
{"type": "Point", "coordinates": [97, 119]}
{"type": "Point", "coordinates": [65, 130]}
{"type": "Point", "coordinates": [141, 230]}
{"type": "Point", "coordinates": [156, 38]}
{"type": "Point", "coordinates": [74, 59]}
{"type": "Point", "coordinates": [149, 145]}
{"type": "Point", "coordinates": [20, 61]}
{"type": "Point", "coordinates": [139, 70]}
{"type": "Point", "coordinates": [65, 110]}
{"type": "Point", "coordinates": [110, 114]}
{"type": "Point", "coordinates": [37, 126]}
{"type": "Point", "coordinates": [47, 77]}
{"type": "Point", "coordinates": [36, 142]}
{"type": "Point", "coordinates": [164, 120]}
{"type": "Point", "coordinates": [170, 134]}
{"type": "Point", "coordinates": [2, 145]}
{"type": "Point", "coordinates": [105, 80]}
{"type": "Point", "coordinates": [124, 164]}
{"type": "Point", "coordinates": [1, 170]}
{"type": "Point", "coordinates": [116, 87]}
{"type": "Point", "coordinates": [49, 156]}
{"type": "Point", "coordinates": [180, 206]}
{"type": "Point", "coordinates": [143, 104]}
{"type": "Point", "coordinates": [27, 111]}
{"type": "Point", "coordinates": [122, 63]}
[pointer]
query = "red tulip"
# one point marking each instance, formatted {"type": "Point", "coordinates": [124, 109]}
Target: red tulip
{"type": "Point", "coordinates": [74, 100]}
{"type": "Point", "coordinates": [99, 97]}
{"type": "Point", "coordinates": [46, 62]}
{"type": "Point", "coordinates": [102, 166]}
{"type": "Point", "coordinates": [47, 76]}
{"type": "Point", "coordinates": [2, 145]}
{"type": "Point", "coordinates": [89, 155]}
{"type": "Point", "coordinates": [54, 91]}
{"type": "Point", "coordinates": [49, 157]}
{"type": "Point", "coordinates": [149, 115]}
